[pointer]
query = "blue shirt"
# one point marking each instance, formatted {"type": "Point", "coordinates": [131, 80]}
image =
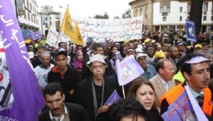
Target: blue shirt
{"type": "Point", "coordinates": [149, 73]}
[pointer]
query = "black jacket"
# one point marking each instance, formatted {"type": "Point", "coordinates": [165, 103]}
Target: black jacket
{"type": "Point", "coordinates": [68, 82]}
{"type": "Point", "coordinates": [84, 96]}
{"type": "Point", "coordinates": [76, 113]}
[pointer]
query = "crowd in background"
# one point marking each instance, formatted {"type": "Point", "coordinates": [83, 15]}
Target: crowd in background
{"type": "Point", "coordinates": [160, 54]}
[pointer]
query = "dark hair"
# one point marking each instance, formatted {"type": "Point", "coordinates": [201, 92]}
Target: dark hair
{"type": "Point", "coordinates": [52, 88]}
{"type": "Point", "coordinates": [59, 44]}
{"type": "Point", "coordinates": [160, 64]}
{"type": "Point", "coordinates": [126, 107]}
{"type": "Point", "coordinates": [95, 46]}
{"type": "Point", "coordinates": [187, 67]}
{"type": "Point", "coordinates": [137, 83]}
{"type": "Point", "coordinates": [110, 53]}
{"type": "Point", "coordinates": [41, 47]}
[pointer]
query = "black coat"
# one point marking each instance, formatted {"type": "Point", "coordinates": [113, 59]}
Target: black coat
{"type": "Point", "coordinates": [69, 82]}
{"type": "Point", "coordinates": [76, 113]}
{"type": "Point", "coordinates": [84, 96]}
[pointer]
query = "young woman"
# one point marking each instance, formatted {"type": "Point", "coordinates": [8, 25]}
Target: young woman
{"type": "Point", "coordinates": [143, 91]}
{"type": "Point", "coordinates": [78, 61]}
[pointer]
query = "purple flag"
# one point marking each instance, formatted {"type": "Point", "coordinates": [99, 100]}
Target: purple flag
{"type": "Point", "coordinates": [36, 35]}
{"type": "Point", "coordinates": [22, 98]}
{"type": "Point", "coordinates": [113, 98]}
{"type": "Point", "coordinates": [180, 110]}
{"type": "Point", "coordinates": [128, 70]}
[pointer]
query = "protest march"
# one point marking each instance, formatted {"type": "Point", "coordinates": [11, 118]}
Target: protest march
{"type": "Point", "coordinates": [103, 70]}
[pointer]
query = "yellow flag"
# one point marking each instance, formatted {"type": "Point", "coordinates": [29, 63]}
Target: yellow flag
{"type": "Point", "coordinates": [79, 38]}
{"type": "Point", "coordinates": [67, 27]}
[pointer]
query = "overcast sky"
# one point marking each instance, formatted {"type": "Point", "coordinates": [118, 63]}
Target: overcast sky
{"type": "Point", "coordinates": [86, 8]}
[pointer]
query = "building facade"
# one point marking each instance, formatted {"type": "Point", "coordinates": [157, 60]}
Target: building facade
{"type": "Point", "coordinates": [27, 13]}
{"type": "Point", "coordinates": [171, 14]}
{"type": "Point", "coordinates": [48, 17]}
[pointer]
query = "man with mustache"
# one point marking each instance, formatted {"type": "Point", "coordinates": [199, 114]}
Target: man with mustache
{"type": "Point", "coordinates": [57, 110]}
{"type": "Point", "coordinates": [196, 72]}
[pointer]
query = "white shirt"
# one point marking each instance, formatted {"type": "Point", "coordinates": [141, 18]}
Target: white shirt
{"type": "Point", "coordinates": [58, 119]}
{"type": "Point", "coordinates": [195, 94]}
{"type": "Point", "coordinates": [41, 74]}
{"type": "Point", "coordinates": [165, 83]}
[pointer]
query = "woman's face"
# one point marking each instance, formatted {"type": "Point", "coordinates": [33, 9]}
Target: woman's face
{"type": "Point", "coordinates": [114, 50]}
{"type": "Point", "coordinates": [80, 56]}
{"type": "Point", "coordinates": [145, 95]}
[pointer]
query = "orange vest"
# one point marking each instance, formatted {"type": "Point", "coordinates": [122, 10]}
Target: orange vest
{"type": "Point", "coordinates": [175, 92]}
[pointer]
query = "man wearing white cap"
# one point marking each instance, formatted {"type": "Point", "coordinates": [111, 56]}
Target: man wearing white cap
{"type": "Point", "coordinates": [149, 70]}
{"type": "Point", "coordinates": [93, 92]}
{"type": "Point", "coordinates": [196, 71]}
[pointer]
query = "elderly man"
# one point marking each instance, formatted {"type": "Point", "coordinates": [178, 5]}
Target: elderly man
{"type": "Point", "coordinates": [196, 71]}
{"type": "Point", "coordinates": [43, 69]}
{"type": "Point", "coordinates": [57, 110]}
{"type": "Point", "coordinates": [93, 92]}
{"type": "Point", "coordinates": [149, 70]}
{"type": "Point", "coordinates": [162, 82]}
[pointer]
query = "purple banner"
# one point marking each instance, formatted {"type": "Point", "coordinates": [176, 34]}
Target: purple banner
{"type": "Point", "coordinates": [23, 87]}
{"type": "Point", "coordinates": [180, 110]}
{"type": "Point", "coordinates": [113, 98]}
{"type": "Point", "coordinates": [36, 35]}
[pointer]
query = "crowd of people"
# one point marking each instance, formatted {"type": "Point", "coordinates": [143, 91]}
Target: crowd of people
{"type": "Point", "coordinates": [77, 80]}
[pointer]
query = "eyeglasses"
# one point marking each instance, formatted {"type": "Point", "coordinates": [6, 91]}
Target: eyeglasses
{"type": "Point", "coordinates": [98, 67]}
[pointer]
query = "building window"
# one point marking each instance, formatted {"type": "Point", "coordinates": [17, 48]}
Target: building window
{"type": "Point", "coordinates": [27, 4]}
{"type": "Point", "coordinates": [30, 6]}
{"type": "Point", "coordinates": [204, 18]}
{"type": "Point", "coordinates": [181, 9]}
{"type": "Point", "coordinates": [164, 18]}
{"type": "Point", "coordinates": [29, 16]}
{"type": "Point", "coordinates": [205, 7]}
{"type": "Point", "coordinates": [136, 12]}
{"type": "Point", "coordinates": [187, 17]}
{"type": "Point", "coordinates": [180, 18]}
{"type": "Point", "coordinates": [188, 7]}
{"type": "Point", "coordinates": [164, 10]}
{"type": "Point", "coordinates": [141, 11]}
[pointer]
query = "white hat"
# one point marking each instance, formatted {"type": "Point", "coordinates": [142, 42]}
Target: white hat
{"type": "Point", "coordinates": [140, 55]}
{"type": "Point", "coordinates": [139, 46]}
{"type": "Point", "coordinates": [96, 58]}
{"type": "Point", "coordinates": [31, 54]}
{"type": "Point", "coordinates": [138, 50]}
{"type": "Point", "coordinates": [197, 59]}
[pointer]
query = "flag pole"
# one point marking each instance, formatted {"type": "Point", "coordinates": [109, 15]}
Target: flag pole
{"type": "Point", "coordinates": [61, 27]}
{"type": "Point", "coordinates": [123, 91]}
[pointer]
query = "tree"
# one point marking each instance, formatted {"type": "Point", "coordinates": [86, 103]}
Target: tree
{"type": "Point", "coordinates": [116, 17]}
{"type": "Point", "coordinates": [196, 14]}
{"type": "Point", "coordinates": [105, 16]}
{"type": "Point", "coordinates": [127, 14]}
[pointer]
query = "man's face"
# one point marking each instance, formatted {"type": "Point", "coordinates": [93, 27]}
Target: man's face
{"type": "Point", "coordinates": [165, 47]}
{"type": "Point", "coordinates": [98, 70]}
{"type": "Point", "coordinates": [63, 45]}
{"type": "Point", "coordinates": [206, 47]}
{"type": "Point", "coordinates": [39, 52]}
{"type": "Point", "coordinates": [200, 76]}
{"type": "Point", "coordinates": [100, 50]}
{"type": "Point", "coordinates": [142, 62]}
{"type": "Point", "coordinates": [174, 52]}
{"type": "Point", "coordinates": [55, 103]}
{"type": "Point", "coordinates": [150, 51]}
{"type": "Point", "coordinates": [45, 60]}
{"type": "Point", "coordinates": [61, 61]}
{"type": "Point", "coordinates": [168, 71]}
{"type": "Point", "coordinates": [131, 45]}
{"type": "Point", "coordinates": [181, 48]}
